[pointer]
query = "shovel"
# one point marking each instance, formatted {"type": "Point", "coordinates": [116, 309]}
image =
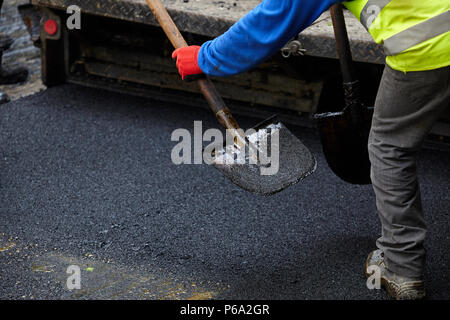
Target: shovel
{"type": "Point", "coordinates": [293, 160]}
{"type": "Point", "coordinates": [344, 134]}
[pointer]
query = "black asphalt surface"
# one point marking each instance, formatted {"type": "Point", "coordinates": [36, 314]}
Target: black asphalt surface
{"type": "Point", "coordinates": [86, 178]}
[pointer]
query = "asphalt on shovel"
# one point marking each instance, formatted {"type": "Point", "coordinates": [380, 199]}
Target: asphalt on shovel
{"type": "Point", "coordinates": [344, 134]}
{"type": "Point", "coordinates": [244, 161]}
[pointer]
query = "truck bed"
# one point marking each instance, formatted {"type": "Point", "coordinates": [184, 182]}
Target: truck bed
{"type": "Point", "coordinates": [211, 18]}
{"type": "Point", "coordinates": [122, 49]}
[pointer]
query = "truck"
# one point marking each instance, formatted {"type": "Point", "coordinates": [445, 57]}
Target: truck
{"type": "Point", "coordinates": [118, 45]}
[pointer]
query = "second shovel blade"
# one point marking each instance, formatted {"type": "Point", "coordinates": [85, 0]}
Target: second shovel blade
{"type": "Point", "coordinates": [345, 146]}
{"type": "Point", "coordinates": [290, 162]}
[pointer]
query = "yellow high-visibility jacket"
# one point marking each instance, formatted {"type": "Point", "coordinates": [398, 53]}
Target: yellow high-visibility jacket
{"type": "Point", "coordinates": [415, 33]}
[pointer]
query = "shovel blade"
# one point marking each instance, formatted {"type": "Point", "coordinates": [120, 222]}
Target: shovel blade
{"type": "Point", "coordinates": [344, 145]}
{"type": "Point", "coordinates": [345, 138]}
{"type": "Point", "coordinates": [294, 162]}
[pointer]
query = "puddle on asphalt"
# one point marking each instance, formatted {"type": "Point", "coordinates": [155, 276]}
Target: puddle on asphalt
{"type": "Point", "coordinates": [6, 242]}
{"type": "Point", "coordinates": [7, 247]}
{"type": "Point", "coordinates": [101, 280]}
{"type": "Point", "coordinates": [40, 268]}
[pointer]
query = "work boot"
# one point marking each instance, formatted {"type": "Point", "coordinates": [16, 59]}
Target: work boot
{"type": "Point", "coordinates": [3, 97]}
{"type": "Point", "coordinates": [398, 287]}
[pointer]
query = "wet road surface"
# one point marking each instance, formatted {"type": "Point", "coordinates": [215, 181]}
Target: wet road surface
{"type": "Point", "coordinates": [86, 179]}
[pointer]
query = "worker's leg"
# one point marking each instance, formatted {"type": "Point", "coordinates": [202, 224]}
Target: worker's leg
{"type": "Point", "coordinates": [407, 105]}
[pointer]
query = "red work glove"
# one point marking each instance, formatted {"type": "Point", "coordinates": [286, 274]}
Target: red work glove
{"type": "Point", "coordinates": [187, 62]}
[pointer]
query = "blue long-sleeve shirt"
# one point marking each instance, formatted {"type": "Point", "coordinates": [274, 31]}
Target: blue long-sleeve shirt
{"type": "Point", "coordinates": [259, 35]}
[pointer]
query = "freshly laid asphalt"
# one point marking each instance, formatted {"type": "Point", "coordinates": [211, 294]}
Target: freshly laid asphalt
{"type": "Point", "coordinates": [86, 179]}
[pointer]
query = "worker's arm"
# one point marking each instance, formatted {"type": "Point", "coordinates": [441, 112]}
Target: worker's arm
{"type": "Point", "coordinates": [257, 36]}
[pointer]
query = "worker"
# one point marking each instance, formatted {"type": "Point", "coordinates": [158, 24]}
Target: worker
{"type": "Point", "coordinates": [413, 92]}
{"type": "Point", "coordinates": [11, 76]}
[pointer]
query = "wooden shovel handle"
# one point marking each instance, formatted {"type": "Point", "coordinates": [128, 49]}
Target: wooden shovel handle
{"type": "Point", "coordinates": [210, 93]}
{"type": "Point", "coordinates": [167, 23]}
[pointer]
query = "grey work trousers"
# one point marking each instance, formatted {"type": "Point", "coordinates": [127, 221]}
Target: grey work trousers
{"type": "Point", "coordinates": [406, 107]}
